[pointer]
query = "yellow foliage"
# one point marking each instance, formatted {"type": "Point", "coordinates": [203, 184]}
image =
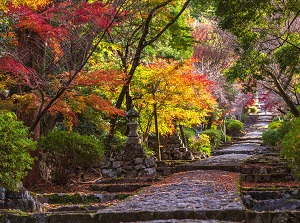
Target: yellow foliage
{"type": "Point", "coordinates": [32, 4]}
{"type": "Point", "coordinates": [179, 94]}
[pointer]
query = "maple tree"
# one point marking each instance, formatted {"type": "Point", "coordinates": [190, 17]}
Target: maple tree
{"type": "Point", "coordinates": [180, 96]}
{"type": "Point", "coordinates": [42, 64]}
{"type": "Point", "coordinates": [32, 4]}
{"type": "Point", "coordinates": [145, 24]}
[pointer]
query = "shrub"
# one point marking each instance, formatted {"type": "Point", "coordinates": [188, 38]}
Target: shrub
{"type": "Point", "coordinates": [275, 125]}
{"type": "Point", "coordinates": [234, 127]}
{"type": "Point", "coordinates": [283, 129]}
{"type": "Point", "coordinates": [68, 151]}
{"type": "Point", "coordinates": [189, 134]}
{"type": "Point", "coordinates": [228, 138]}
{"type": "Point", "coordinates": [244, 118]}
{"type": "Point", "coordinates": [201, 143]}
{"type": "Point", "coordinates": [291, 146]}
{"type": "Point", "coordinates": [118, 142]}
{"type": "Point", "coordinates": [215, 137]}
{"type": "Point", "coordinates": [14, 150]}
{"type": "Point", "coordinates": [270, 137]}
{"type": "Point", "coordinates": [276, 119]}
{"type": "Point", "coordinates": [253, 110]}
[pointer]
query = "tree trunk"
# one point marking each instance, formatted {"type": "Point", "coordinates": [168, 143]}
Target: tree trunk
{"type": "Point", "coordinates": [50, 121]}
{"type": "Point", "coordinates": [183, 135]}
{"type": "Point", "coordinates": [284, 95]}
{"type": "Point", "coordinates": [34, 176]}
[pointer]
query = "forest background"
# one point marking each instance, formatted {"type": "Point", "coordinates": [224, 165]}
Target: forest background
{"type": "Point", "coordinates": [69, 70]}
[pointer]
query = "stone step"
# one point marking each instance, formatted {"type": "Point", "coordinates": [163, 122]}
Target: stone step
{"type": "Point", "coordinates": [86, 208]}
{"type": "Point", "coordinates": [272, 216]}
{"type": "Point", "coordinates": [279, 193]}
{"type": "Point", "coordinates": [232, 215]}
{"type": "Point", "coordinates": [208, 216]}
{"type": "Point", "coordinates": [240, 142]}
{"type": "Point", "coordinates": [129, 180]}
{"type": "Point", "coordinates": [80, 198]}
{"type": "Point", "coordinates": [184, 168]}
{"type": "Point", "coordinates": [265, 169]}
{"type": "Point", "coordinates": [225, 152]}
{"type": "Point", "coordinates": [263, 178]}
{"type": "Point", "coordinates": [273, 204]}
{"type": "Point", "coordinates": [165, 171]}
{"type": "Point", "coordinates": [111, 188]}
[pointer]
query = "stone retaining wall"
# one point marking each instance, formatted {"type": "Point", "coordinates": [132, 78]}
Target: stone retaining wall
{"type": "Point", "coordinates": [21, 200]}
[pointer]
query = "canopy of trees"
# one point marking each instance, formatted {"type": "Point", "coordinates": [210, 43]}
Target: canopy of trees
{"type": "Point", "coordinates": [81, 64]}
{"type": "Point", "coordinates": [268, 37]}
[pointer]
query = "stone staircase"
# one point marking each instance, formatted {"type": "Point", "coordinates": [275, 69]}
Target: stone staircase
{"type": "Point", "coordinates": [99, 195]}
{"type": "Point", "coordinates": [269, 190]}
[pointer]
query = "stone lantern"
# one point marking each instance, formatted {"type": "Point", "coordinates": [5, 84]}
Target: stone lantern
{"type": "Point", "coordinates": [132, 160]}
{"type": "Point", "coordinates": [132, 137]}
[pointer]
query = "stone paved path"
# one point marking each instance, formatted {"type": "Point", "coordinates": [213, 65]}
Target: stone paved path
{"type": "Point", "coordinates": [207, 192]}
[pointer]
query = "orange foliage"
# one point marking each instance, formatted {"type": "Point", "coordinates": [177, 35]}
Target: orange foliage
{"type": "Point", "coordinates": [54, 42]}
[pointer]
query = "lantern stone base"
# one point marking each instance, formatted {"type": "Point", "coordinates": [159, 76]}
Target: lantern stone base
{"type": "Point", "coordinates": [131, 162]}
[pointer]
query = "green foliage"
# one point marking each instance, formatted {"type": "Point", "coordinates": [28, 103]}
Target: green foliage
{"type": "Point", "coordinates": [189, 134]}
{"type": "Point", "coordinates": [202, 8]}
{"type": "Point", "coordinates": [281, 126]}
{"type": "Point", "coordinates": [148, 151]}
{"type": "Point", "coordinates": [176, 43]}
{"type": "Point", "coordinates": [118, 142]}
{"type": "Point", "coordinates": [270, 137]}
{"type": "Point", "coordinates": [275, 125]}
{"type": "Point", "coordinates": [253, 110]}
{"type": "Point", "coordinates": [291, 146]}
{"type": "Point", "coordinates": [14, 150]}
{"type": "Point", "coordinates": [276, 119]}
{"type": "Point", "coordinates": [215, 137]}
{"type": "Point", "coordinates": [234, 127]}
{"type": "Point", "coordinates": [201, 143]}
{"type": "Point", "coordinates": [244, 118]}
{"type": "Point", "coordinates": [67, 151]}
{"type": "Point", "coordinates": [288, 56]}
{"type": "Point", "coordinates": [228, 138]}
{"type": "Point", "coordinates": [283, 129]}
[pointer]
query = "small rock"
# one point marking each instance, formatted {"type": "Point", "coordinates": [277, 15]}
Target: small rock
{"type": "Point", "coordinates": [188, 156]}
{"type": "Point", "coordinates": [117, 164]}
{"type": "Point", "coordinates": [109, 173]}
{"type": "Point", "coordinates": [2, 193]}
{"type": "Point", "coordinates": [150, 162]}
{"type": "Point", "coordinates": [138, 161]}
{"type": "Point", "coordinates": [140, 167]}
{"type": "Point", "coordinates": [147, 172]}
{"type": "Point", "coordinates": [132, 173]}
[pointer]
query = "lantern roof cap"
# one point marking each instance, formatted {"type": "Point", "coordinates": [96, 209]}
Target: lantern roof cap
{"type": "Point", "coordinates": [132, 112]}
